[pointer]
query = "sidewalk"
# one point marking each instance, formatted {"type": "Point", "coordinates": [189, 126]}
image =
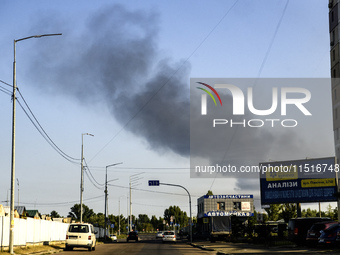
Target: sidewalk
{"type": "Point", "coordinates": [222, 248]}
{"type": "Point", "coordinates": [36, 249]}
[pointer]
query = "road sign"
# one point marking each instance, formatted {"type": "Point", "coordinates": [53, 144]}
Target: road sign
{"type": "Point", "coordinates": [153, 182]}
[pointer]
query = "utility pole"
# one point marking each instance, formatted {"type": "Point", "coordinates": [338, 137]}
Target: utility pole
{"type": "Point", "coordinates": [119, 217]}
{"type": "Point", "coordinates": [82, 176]}
{"type": "Point", "coordinates": [130, 222]}
{"type": "Point", "coordinates": [134, 179]}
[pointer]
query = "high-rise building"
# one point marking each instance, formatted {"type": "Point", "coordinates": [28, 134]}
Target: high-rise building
{"type": "Point", "coordinates": [334, 31]}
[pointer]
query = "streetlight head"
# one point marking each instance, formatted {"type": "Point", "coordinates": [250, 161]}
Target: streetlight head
{"type": "Point", "coordinates": [87, 134]}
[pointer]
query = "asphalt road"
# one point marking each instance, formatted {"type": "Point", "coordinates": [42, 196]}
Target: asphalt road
{"type": "Point", "coordinates": [147, 246]}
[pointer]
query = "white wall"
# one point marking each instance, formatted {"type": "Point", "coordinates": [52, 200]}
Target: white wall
{"type": "Point", "coordinates": [32, 231]}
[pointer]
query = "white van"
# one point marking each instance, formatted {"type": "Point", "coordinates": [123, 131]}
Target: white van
{"type": "Point", "coordinates": [80, 235]}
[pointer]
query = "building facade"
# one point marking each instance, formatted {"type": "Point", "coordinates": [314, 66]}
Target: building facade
{"type": "Point", "coordinates": [225, 205]}
{"type": "Point", "coordinates": [334, 28]}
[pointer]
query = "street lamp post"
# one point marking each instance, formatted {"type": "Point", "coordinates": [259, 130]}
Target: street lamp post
{"type": "Point", "coordinates": [82, 175]}
{"type": "Point", "coordinates": [105, 191]}
{"type": "Point", "coordinates": [11, 230]}
{"type": "Point", "coordinates": [119, 216]}
{"type": "Point", "coordinates": [133, 179]}
{"type": "Point", "coordinates": [190, 221]}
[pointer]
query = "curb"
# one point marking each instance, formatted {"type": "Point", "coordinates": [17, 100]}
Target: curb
{"type": "Point", "coordinates": [202, 247]}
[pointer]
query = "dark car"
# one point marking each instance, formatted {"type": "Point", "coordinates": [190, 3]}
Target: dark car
{"type": "Point", "coordinates": [133, 235]}
{"type": "Point", "coordinates": [329, 235]}
{"type": "Point", "coordinates": [298, 227]}
{"type": "Point", "coordinates": [313, 233]}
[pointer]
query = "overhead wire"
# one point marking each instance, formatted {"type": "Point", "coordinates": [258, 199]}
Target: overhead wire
{"type": "Point", "coordinates": [44, 132]}
{"type": "Point", "coordinates": [6, 83]}
{"type": "Point", "coordinates": [6, 91]}
{"type": "Point", "coordinates": [92, 179]}
{"type": "Point", "coordinates": [62, 203]}
{"type": "Point", "coordinates": [29, 113]}
{"type": "Point", "coordinates": [260, 71]}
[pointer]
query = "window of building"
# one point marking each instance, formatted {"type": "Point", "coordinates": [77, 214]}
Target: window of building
{"type": "Point", "coordinates": [237, 205]}
{"type": "Point", "coordinates": [220, 206]}
{"type": "Point", "coordinates": [336, 113]}
{"type": "Point", "coordinates": [334, 94]}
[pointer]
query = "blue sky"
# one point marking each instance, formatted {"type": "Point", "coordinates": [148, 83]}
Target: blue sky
{"type": "Point", "coordinates": [64, 87]}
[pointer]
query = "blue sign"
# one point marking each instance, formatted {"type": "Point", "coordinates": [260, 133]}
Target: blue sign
{"type": "Point", "coordinates": [153, 182]}
{"type": "Point", "coordinates": [112, 225]}
{"type": "Point", "coordinates": [310, 180]}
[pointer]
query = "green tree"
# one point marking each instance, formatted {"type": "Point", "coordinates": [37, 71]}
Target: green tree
{"type": "Point", "coordinates": [115, 220]}
{"type": "Point", "coordinates": [250, 226]}
{"type": "Point", "coordinates": [273, 212]}
{"type": "Point", "coordinates": [288, 211]}
{"type": "Point", "coordinates": [54, 214]}
{"type": "Point", "coordinates": [154, 222]}
{"type": "Point", "coordinates": [97, 220]}
{"type": "Point", "coordinates": [309, 213]}
{"type": "Point", "coordinates": [75, 212]}
{"type": "Point", "coordinates": [209, 193]}
{"type": "Point", "coordinates": [180, 217]}
{"type": "Point", "coordinates": [331, 213]}
{"type": "Point", "coordinates": [144, 223]}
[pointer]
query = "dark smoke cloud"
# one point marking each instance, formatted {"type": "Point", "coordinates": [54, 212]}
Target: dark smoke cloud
{"type": "Point", "coordinates": [115, 61]}
{"type": "Point", "coordinates": [112, 58]}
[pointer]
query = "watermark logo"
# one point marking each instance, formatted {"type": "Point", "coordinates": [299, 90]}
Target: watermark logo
{"type": "Point", "coordinates": [204, 97]}
{"type": "Point", "coordinates": [281, 98]}
{"type": "Point", "coordinates": [239, 99]}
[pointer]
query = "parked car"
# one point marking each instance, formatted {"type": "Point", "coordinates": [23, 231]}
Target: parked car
{"type": "Point", "coordinates": [159, 235]}
{"type": "Point", "coordinates": [169, 236]}
{"type": "Point", "coordinates": [329, 235]}
{"type": "Point", "coordinates": [133, 235]}
{"type": "Point", "coordinates": [298, 227]}
{"type": "Point", "coordinates": [313, 233]}
{"type": "Point", "coordinates": [81, 235]}
{"type": "Point", "coordinates": [113, 238]}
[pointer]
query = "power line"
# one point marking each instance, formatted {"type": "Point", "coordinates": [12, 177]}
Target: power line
{"type": "Point", "coordinates": [44, 132]}
{"type": "Point", "coordinates": [89, 171]}
{"type": "Point", "coordinates": [6, 91]}
{"type": "Point", "coordinates": [260, 71]}
{"type": "Point", "coordinates": [6, 83]}
{"type": "Point", "coordinates": [49, 142]}
{"type": "Point", "coordinates": [61, 203]}
{"type": "Point", "coordinates": [92, 181]}
{"type": "Point", "coordinates": [152, 191]}
{"type": "Point", "coordinates": [273, 38]}
{"type": "Point", "coordinates": [37, 124]}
